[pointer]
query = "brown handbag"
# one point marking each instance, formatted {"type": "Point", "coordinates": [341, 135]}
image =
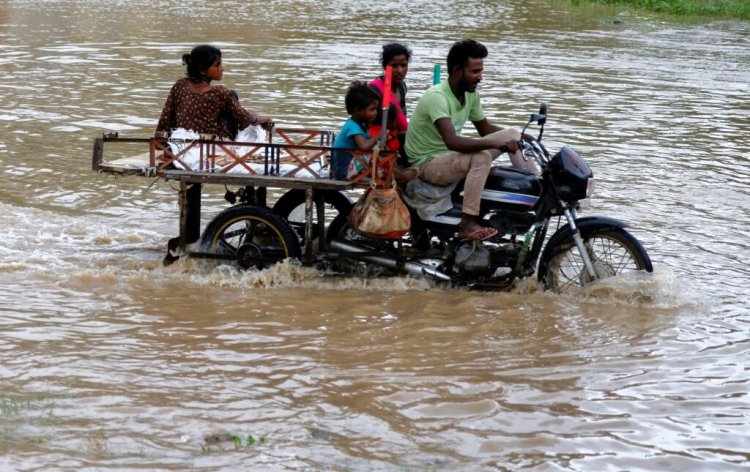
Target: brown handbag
{"type": "Point", "coordinates": [380, 213]}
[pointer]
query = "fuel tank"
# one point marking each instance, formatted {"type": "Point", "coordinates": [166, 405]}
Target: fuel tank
{"type": "Point", "coordinates": [506, 190]}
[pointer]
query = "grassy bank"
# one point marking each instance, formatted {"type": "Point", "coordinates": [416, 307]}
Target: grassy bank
{"type": "Point", "coordinates": [739, 9]}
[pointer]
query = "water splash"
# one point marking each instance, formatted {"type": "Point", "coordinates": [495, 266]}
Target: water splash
{"type": "Point", "coordinates": [658, 289]}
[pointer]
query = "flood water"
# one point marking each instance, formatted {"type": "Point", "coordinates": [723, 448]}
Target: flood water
{"type": "Point", "coordinates": [108, 360]}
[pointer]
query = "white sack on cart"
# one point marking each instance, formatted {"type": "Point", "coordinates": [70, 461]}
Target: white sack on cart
{"type": "Point", "coordinates": [181, 139]}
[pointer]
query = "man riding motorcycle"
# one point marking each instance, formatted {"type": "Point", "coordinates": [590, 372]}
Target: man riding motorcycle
{"type": "Point", "coordinates": [435, 145]}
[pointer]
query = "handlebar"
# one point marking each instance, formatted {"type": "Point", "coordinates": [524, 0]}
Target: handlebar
{"type": "Point", "coordinates": [532, 147]}
{"type": "Point", "coordinates": [540, 119]}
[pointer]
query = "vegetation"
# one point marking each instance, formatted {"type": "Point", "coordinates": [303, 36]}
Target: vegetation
{"type": "Point", "coordinates": [14, 413]}
{"type": "Point", "coordinates": [739, 9]}
{"type": "Point", "coordinates": [214, 442]}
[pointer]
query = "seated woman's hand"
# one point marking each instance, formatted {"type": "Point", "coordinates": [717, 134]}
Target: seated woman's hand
{"type": "Point", "coordinates": [265, 122]}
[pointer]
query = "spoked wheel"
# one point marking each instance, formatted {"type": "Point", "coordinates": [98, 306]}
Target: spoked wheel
{"type": "Point", "coordinates": [291, 206]}
{"type": "Point", "coordinates": [251, 235]}
{"type": "Point", "coordinates": [613, 252]}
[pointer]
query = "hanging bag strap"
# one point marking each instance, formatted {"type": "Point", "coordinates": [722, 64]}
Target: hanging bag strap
{"type": "Point", "coordinates": [374, 165]}
{"type": "Point", "coordinates": [387, 93]}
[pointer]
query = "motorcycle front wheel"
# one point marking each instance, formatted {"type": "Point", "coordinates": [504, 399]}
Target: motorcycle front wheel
{"type": "Point", "coordinates": [613, 251]}
{"type": "Point", "coordinates": [251, 235]}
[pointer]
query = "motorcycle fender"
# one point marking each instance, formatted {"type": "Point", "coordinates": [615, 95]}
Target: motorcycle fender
{"type": "Point", "coordinates": [585, 225]}
{"type": "Point", "coordinates": [591, 222]}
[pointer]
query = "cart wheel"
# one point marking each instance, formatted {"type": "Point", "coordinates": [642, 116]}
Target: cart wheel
{"type": "Point", "coordinates": [251, 235]}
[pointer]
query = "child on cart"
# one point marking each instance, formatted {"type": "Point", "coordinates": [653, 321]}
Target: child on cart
{"type": "Point", "coordinates": [358, 133]}
{"type": "Point", "coordinates": [362, 106]}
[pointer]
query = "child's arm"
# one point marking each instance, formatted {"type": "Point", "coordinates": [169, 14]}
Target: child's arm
{"type": "Point", "coordinates": [364, 144]}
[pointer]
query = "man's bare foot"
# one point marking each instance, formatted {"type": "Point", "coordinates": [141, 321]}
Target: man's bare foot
{"type": "Point", "coordinates": [476, 232]}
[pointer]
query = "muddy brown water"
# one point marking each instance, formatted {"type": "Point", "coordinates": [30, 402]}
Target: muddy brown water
{"type": "Point", "coordinates": [110, 361]}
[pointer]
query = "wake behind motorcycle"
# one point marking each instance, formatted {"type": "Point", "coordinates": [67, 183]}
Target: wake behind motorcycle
{"type": "Point", "coordinates": [521, 207]}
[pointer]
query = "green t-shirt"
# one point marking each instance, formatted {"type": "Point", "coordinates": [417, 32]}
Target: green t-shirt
{"type": "Point", "coordinates": [422, 137]}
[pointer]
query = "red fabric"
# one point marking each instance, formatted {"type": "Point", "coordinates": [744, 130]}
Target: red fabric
{"type": "Point", "coordinates": [401, 122]}
{"type": "Point", "coordinates": [391, 137]}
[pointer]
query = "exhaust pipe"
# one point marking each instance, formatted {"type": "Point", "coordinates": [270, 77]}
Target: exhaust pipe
{"type": "Point", "coordinates": [363, 253]}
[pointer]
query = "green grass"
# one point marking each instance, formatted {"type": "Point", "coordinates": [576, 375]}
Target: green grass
{"type": "Point", "coordinates": [215, 442]}
{"type": "Point", "coordinates": [738, 9]}
{"type": "Point", "coordinates": [14, 414]}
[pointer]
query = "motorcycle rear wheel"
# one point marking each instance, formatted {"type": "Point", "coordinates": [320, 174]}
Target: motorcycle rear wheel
{"type": "Point", "coordinates": [291, 206]}
{"type": "Point", "coordinates": [613, 251]}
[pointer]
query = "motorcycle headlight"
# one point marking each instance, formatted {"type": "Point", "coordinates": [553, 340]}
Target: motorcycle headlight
{"type": "Point", "coordinates": [590, 187]}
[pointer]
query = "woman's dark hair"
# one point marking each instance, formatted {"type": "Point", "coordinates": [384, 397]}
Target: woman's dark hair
{"type": "Point", "coordinates": [392, 50]}
{"type": "Point", "coordinates": [200, 59]}
{"type": "Point", "coordinates": [359, 95]}
{"type": "Point", "coordinates": [461, 51]}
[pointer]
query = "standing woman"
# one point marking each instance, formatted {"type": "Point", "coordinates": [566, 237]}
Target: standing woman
{"type": "Point", "coordinates": [397, 56]}
{"type": "Point", "coordinates": [195, 105]}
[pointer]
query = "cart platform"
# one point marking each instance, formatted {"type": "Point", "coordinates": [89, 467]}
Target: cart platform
{"type": "Point", "coordinates": [286, 161]}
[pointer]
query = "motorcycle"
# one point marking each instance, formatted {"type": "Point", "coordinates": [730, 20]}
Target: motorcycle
{"type": "Point", "coordinates": [521, 207]}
